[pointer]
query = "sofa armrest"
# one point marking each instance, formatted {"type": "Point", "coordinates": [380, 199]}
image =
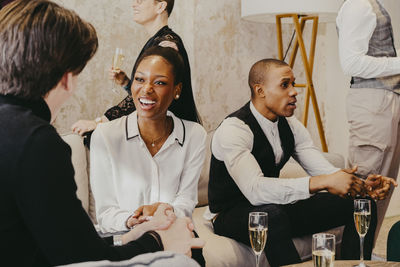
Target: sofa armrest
{"type": "Point", "coordinates": [79, 162]}
{"type": "Point", "coordinates": [293, 170]}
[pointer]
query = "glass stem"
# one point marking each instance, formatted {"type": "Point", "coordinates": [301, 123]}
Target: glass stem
{"type": "Point", "coordinates": [257, 260]}
{"type": "Point", "coordinates": [362, 248]}
{"type": "Point", "coordinates": [113, 88]}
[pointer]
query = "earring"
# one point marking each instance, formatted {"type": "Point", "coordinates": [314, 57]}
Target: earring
{"type": "Point", "coordinates": [177, 97]}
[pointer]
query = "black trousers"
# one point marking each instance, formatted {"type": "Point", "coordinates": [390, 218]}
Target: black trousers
{"type": "Point", "coordinates": [319, 213]}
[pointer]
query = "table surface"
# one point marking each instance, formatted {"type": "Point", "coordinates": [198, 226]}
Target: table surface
{"type": "Point", "coordinates": [351, 263]}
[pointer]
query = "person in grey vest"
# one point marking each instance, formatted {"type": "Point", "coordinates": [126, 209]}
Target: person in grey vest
{"type": "Point", "coordinates": [367, 53]}
{"type": "Point", "coordinates": [249, 149]}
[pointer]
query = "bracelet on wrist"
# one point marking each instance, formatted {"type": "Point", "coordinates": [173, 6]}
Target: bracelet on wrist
{"type": "Point", "coordinates": [117, 240]}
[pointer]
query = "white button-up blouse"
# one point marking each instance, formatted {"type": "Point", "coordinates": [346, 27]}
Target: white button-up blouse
{"type": "Point", "coordinates": [124, 175]}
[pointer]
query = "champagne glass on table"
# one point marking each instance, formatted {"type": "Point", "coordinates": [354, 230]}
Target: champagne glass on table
{"type": "Point", "coordinates": [362, 219]}
{"type": "Point", "coordinates": [118, 58]}
{"type": "Point", "coordinates": [258, 227]}
{"type": "Point", "coordinates": [323, 250]}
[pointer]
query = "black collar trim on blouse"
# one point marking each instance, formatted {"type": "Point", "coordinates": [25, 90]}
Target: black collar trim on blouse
{"type": "Point", "coordinates": [183, 135]}
{"type": "Point", "coordinates": [126, 130]}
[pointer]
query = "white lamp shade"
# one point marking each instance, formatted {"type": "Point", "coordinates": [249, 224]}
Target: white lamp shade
{"type": "Point", "coordinates": [265, 10]}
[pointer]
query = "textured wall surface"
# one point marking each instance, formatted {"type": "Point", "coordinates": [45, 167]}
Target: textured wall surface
{"type": "Point", "coordinates": [221, 48]}
{"type": "Point", "coordinates": [225, 49]}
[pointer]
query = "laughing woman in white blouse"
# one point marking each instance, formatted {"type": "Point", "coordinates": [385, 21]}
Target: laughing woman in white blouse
{"type": "Point", "coordinates": [150, 156]}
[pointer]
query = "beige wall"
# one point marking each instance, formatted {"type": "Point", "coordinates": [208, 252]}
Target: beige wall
{"type": "Point", "coordinates": [225, 49]}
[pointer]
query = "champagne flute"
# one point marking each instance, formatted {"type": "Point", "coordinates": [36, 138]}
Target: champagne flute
{"type": "Point", "coordinates": [362, 218]}
{"type": "Point", "coordinates": [323, 250]}
{"type": "Point", "coordinates": [258, 227]}
{"type": "Point", "coordinates": [118, 58]}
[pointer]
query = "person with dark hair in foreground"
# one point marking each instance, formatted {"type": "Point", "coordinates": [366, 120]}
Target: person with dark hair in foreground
{"type": "Point", "coordinates": [43, 222]}
{"type": "Point", "coordinates": [249, 149]}
{"type": "Point", "coordinates": [153, 16]}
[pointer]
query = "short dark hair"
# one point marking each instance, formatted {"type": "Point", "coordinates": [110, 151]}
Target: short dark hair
{"type": "Point", "coordinates": [170, 5]}
{"type": "Point", "coordinates": [184, 107]}
{"type": "Point", "coordinates": [258, 70]}
{"type": "Point", "coordinates": [40, 41]}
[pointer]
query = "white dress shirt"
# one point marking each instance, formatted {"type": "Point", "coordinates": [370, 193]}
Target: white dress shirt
{"type": "Point", "coordinates": [233, 143]}
{"type": "Point", "coordinates": [124, 175]}
{"type": "Point", "coordinates": [356, 23]}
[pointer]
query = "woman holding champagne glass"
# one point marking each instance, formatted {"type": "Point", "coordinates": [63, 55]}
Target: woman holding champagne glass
{"type": "Point", "coordinates": [152, 156]}
{"type": "Point", "coordinates": [153, 15]}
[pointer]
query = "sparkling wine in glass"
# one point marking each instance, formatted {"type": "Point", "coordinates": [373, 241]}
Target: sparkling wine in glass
{"type": "Point", "coordinates": [258, 229]}
{"type": "Point", "coordinates": [362, 219]}
{"type": "Point", "coordinates": [118, 59]}
{"type": "Point", "coordinates": [323, 250]}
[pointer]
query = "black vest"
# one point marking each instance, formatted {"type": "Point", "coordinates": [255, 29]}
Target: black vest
{"type": "Point", "coordinates": [223, 193]}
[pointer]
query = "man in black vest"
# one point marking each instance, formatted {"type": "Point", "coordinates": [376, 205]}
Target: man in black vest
{"type": "Point", "coordinates": [248, 150]}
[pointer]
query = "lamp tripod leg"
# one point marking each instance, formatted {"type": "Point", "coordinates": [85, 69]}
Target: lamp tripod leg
{"type": "Point", "coordinates": [308, 64]}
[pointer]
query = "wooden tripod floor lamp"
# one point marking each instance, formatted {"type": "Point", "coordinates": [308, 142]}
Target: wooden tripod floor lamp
{"type": "Point", "coordinates": [297, 12]}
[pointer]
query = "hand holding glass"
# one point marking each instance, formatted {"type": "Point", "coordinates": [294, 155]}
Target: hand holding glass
{"type": "Point", "coordinates": [258, 228]}
{"type": "Point", "coordinates": [362, 218]}
{"type": "Point", "coordinates": [118, 59]}
{"type": "Point", "coordinates": [323, 250]}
